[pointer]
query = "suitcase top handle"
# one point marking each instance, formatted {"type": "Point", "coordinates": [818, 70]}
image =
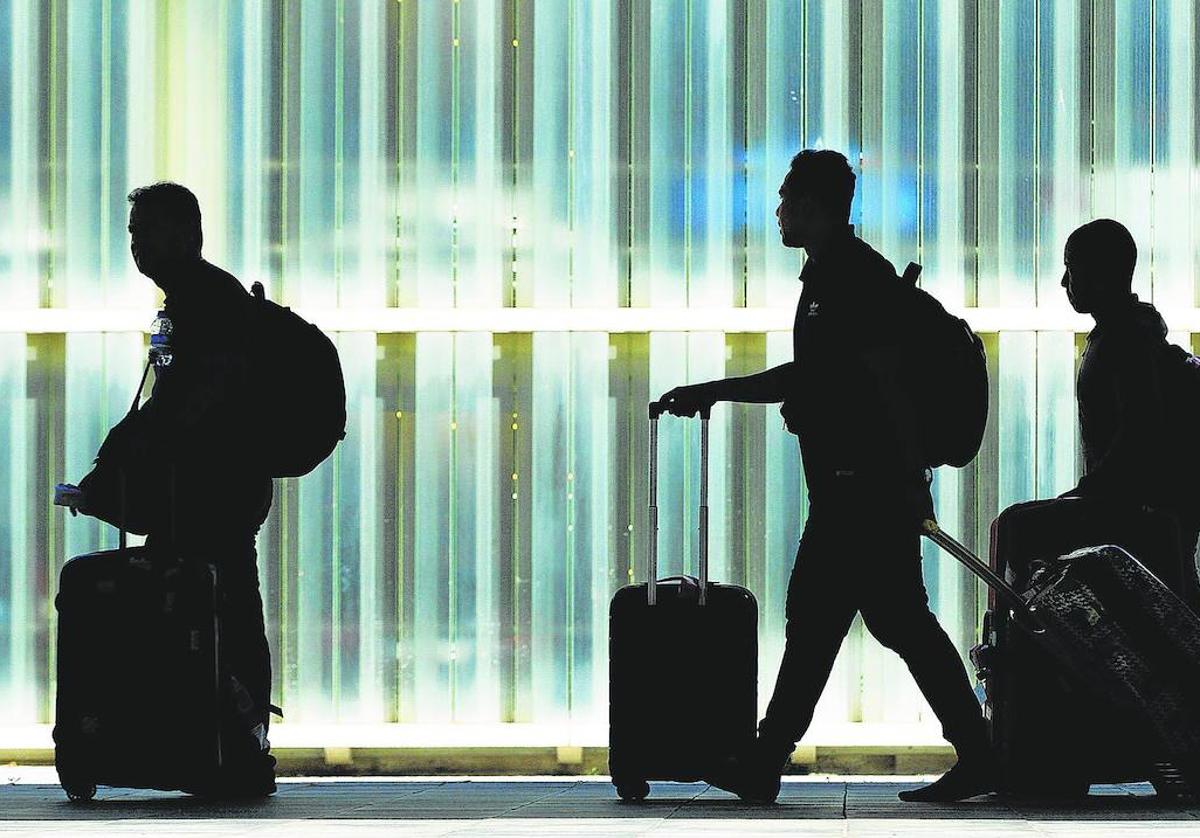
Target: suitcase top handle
{"type": "Point", "coordinates": [656, 409]}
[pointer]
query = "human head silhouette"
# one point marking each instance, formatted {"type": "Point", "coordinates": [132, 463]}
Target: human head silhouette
{"type": "Point", "coordinates": [815, 197]}
{"type": "Point", "coordinates": [1099, 259]}
{"type": "Point", "coordinates": [164, 230]}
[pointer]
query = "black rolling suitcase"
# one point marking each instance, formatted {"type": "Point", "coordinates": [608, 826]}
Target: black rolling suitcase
{"type": "Point", "coordinates": [683, 663]}
{"type": "Point", "coordinates": [1042, 721]}
{"type": "Point", "coordinates": [138, 702]}
{"type": "Point", "coordinates": [1118, 630]}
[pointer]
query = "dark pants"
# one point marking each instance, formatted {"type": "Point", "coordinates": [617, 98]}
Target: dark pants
{"type": "Point", "coordinates": [853, 560]}
{"type": "Point", "coordinates": [243, 645]}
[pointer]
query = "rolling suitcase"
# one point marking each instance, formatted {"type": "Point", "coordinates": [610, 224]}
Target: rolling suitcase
{"type": "Point", "coordinates": [138, 701]}
{"type": "Point", "coordinates": [683, 663]}
{"type": "Point", "coordinates": [1118, 630]}
{"type": "Point", "coordinates": [1042, 721]}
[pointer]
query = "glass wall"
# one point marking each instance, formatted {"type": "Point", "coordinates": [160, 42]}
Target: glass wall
{"type": "Point", "coordinates": [522, 220]}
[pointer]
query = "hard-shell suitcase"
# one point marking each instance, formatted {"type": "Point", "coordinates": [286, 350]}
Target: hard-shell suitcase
{"type": "Point", "coordinates": [1042, 721]}
{"type": "Point", "coordinates": [138, 700]}
{"type": "Point", "coordinates": [683, 663]}
{"type": "Point", "coordinates": [1118, 630]}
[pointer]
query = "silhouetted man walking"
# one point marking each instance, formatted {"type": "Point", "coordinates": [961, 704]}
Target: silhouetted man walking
{"type": "Point", "coordinates": [1124, 413]}
{"type": "Point", "coordinates": [860, 550]}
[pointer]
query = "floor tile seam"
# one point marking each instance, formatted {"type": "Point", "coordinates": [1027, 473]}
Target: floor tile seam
{"type": "Point", "coordinates": [675, 811]}
{"type": "Point", "coordinates": [559, 793]}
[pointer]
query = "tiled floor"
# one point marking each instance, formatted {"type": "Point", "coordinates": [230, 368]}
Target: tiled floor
{"type": "Point", "coordinates": [824, 807]}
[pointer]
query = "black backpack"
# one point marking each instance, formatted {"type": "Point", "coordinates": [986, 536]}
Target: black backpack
{"type": "Point", "coordinates": [1181, 385]}
{"type": "Point", "coordinates": [947, 378]}
{"type": "Point", "coordinates": [298, 390]}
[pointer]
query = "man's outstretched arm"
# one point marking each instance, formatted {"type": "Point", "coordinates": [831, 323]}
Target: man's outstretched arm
{"type": "Point", "coordinates": [761, 388]}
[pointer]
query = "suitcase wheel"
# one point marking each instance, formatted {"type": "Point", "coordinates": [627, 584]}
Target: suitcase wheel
{"type": "Point", "coordinates": [632, 790]}
{"type": "Point", "coordinates": [80, 792]}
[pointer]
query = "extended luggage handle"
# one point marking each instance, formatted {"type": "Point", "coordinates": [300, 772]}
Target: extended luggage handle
{"type": "Point", "coordinates": [1026, 615]}
{"type": "Point", "coordinates": [656, 410]}
{"type": "Point", "coordinates": [122, 478]}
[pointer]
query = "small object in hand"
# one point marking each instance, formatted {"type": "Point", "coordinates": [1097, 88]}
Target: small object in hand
{"type": "Point", "coordinates": [66, 494]}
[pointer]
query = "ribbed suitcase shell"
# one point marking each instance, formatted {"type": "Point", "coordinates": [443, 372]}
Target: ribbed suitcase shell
{"type": "Point", "coordinates": [1118, 628]}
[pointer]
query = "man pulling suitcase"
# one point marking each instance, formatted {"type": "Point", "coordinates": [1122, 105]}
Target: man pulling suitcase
{"type": "Point", "coordinates": [859, 470]}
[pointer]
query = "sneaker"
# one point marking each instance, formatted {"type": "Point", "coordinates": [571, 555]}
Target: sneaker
{"type": "Point", "coordinates": [246, 779]}
{"type": "Point", "coordinates": [754, 774]}
{"type": "Point", "coordinates": [967, 778]}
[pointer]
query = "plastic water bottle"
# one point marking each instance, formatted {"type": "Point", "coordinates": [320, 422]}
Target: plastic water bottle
{"type": "Point", "coordinates": [161, 354]}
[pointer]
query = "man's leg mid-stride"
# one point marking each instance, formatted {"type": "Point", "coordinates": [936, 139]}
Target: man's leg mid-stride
{"type": "Point", "coordinates": [819, 612]}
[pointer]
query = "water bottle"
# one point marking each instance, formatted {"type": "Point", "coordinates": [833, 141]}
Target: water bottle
{"type": "Point", "coordinates": [161, 354]}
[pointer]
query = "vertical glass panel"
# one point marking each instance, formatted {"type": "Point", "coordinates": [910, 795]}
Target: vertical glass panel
{"type": "Point", "coordinates": [434, 450]}
{"type": "Point", "coordinates": [475, 633]}
{"type": "Point", "coordinates": [551, 544]}
{"type": "Point", "coordinates": [1057, 422]}
{"type": "Point", "coordinates": [671, 141]}
{"type": "Point", "coordinates": [589, 527]}
{"type": "Point", "coordinates": [773, 123]}
{"type": "Point", "coordinates": [1134, 136]}
{"type": "Point", "coordinates": [1063, 158]}
{"type": "Point", "coordinates": [1172, 247]}
{"type": "Point", "coordinates": [18, 561]}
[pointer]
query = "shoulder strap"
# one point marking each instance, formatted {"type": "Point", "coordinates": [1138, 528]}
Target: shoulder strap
{"type": "Point", "coordinates": [137, 395]}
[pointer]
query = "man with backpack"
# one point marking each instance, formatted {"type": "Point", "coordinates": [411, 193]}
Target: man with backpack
{"type": "Point", "coordinates": [188, 458]}
{"type": "Point", "coordinates": [849, 399]}
{"type": "Point", "coordinates": [1137, 394]}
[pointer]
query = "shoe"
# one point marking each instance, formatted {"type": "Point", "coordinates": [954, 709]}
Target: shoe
{"type": "Point", "coordinates": [753, 775]}
{"type": "Point", "coordinates": [253, 779]}
{"type": "Point", "coordinates": [967, 778]}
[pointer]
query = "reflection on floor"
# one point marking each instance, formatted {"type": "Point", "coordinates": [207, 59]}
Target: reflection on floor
{"type": "Point", "coordinates": [820, 806]}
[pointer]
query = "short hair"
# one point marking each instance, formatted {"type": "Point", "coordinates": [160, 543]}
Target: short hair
{"type": "Point", "coordinates": [823, 174]}
{"type": "Point", "coordinates": [170, 201]}
{"type": "Point", "coordinates": [1106, 249]}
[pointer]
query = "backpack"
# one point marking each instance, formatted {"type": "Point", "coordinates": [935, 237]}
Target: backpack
{"type": "Point", "coordinates": [946, 377]}
{"type": "Point", "coordinates": [1181, 392]}
{"type": "Point", "coordinates": [299, 394]}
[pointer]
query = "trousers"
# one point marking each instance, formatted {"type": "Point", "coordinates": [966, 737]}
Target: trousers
{"type": "Point", "coordinates": [244, 650]}
{"type": "Point", "coordinates": [853, 558]}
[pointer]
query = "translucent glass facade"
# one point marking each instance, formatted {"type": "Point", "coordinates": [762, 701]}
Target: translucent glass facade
{"type": "Point", "coordinates": [479, 198]}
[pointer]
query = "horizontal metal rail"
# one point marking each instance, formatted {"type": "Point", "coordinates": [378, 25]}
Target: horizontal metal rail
{"type": "Point", "coordinates": [509, 320]}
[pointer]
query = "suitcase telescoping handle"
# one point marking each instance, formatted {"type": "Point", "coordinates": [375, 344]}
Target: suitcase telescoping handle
{"type": "Point", "coordinates": [1025, 614]}
{"type": "Point", "coordinates": [123, 534]}
{"type": "Point", "coordinates": [656, 410]}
